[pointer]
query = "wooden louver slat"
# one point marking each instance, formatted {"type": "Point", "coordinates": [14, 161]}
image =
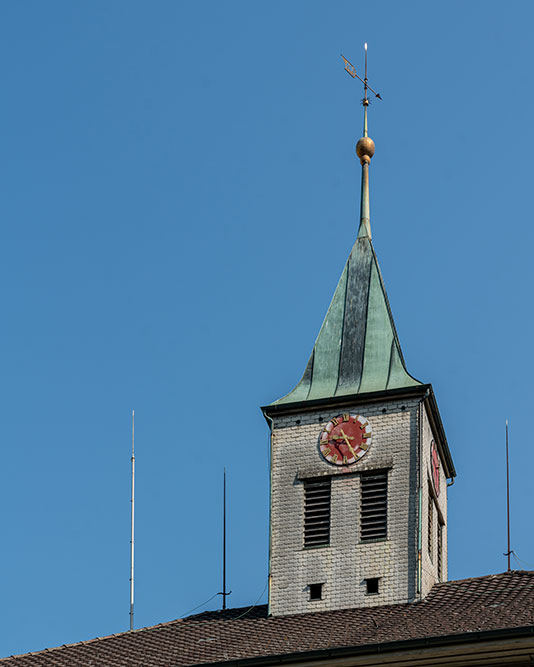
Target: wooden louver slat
{"type": "Point", "coordinates": [373, 515]}
{"type": "Point", "coordinates": [317, 512]}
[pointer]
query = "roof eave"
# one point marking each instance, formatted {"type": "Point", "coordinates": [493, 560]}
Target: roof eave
{"type": "Point", "coordinates": [421, 643]}
{"type": "Point", "coordinates": [347, 399]}
{"type": "Point", "coordinates": [437, 428]}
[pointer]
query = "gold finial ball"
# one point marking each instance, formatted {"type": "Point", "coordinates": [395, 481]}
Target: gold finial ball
{"type": "Point", "coordinates": [365, 149]}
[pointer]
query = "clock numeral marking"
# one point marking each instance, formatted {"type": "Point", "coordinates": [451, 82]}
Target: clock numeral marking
{"type": "Point", "coordinates": [334, 458]}
{"type": "Point", "coordinates": [346, 417]}
{"type": "Point", "coordinates": [364, 445]}
{"type": "Point", "coordinates": [345, 459]}
{"type": "Point", "coordinates": [327, 451]}
{"type": "Point", "coordinates": [335, 421]}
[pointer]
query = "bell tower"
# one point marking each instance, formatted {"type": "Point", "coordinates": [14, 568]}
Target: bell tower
{"type": "Point", "coordinates": [359, 456]}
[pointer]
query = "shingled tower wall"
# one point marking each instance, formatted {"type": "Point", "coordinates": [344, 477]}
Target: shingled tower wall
{"type": "Point", "coordinates": [344, 565]}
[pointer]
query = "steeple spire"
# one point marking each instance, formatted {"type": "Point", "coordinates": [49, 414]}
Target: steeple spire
{"type": "Point", "coordinates": [365, 149]}
{"type": "Point", "coordinates": [357, 349]}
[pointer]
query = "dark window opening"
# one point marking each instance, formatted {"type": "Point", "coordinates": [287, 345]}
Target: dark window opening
{"type": "Point", "coordinates": [430, 525]}
{"type": "Point", "coordinates": [440, 551]}
{"type": "Point", "coordinates": [372, 586]}
{"type": "Point", "coordinates": [316, 591]}
{"type": "Point", "coordinates": [317, 512]}
{"type": "Point", "coordinates": [374, 505]}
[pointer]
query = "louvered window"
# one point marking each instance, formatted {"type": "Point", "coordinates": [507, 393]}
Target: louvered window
{"type": "Point", "coordinates": [317, 512]}
{"type": "Point", "coordinates": [374, 505]}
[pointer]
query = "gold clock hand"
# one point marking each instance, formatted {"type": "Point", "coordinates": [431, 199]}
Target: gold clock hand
{"type": "Point", "coordinates": [348, 443]}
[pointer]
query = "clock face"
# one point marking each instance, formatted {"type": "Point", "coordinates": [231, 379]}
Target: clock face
{"type": "Point", "coordinates": [434, 462]}
{"type": "Point", "coordinates": [345, 439]}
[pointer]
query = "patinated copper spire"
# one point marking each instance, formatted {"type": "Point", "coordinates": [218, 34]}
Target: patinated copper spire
{"type": "Point", "coordinates": [357, 350]}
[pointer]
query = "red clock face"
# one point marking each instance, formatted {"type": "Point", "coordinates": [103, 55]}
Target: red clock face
{"type": "Point", "coordinates": [345, 439]}
{"type": "Point", "coordinates": [434, 462]}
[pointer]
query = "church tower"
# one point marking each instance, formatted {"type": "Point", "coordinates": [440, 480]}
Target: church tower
{"type": "Point", "coordinates": [359, 456]}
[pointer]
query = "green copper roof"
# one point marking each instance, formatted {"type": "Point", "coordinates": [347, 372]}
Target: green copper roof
{"type": "Point", "coordinates": [357, 349]}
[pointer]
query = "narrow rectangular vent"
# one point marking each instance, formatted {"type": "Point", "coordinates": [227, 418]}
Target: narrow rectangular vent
{"type": "Point", "coordinates": [440, 551]}
{"type": "Point", "coordinates": [374, 507]}
{"type": "Point", "coordinates": [430, 526]}
{"type": "Point", "coordinates": [316, 591]}
{"type": "Point", "coordinates": [371, 586]}
{"type": "Point", "coordinates": [317, 512]}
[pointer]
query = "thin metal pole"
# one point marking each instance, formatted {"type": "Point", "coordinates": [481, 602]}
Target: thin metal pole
{"type": "Point", "coordinates": [365, 77]}
{"type": "Point", "coordinates": [508, 553]}
{"type": "Point", "coordinates": [224, 543]}
{"type": "Point", "coordinates": [132, 501]}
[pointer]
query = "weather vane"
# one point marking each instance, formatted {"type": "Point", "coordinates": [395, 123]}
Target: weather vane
{"type": "Point", "coordinates": [349, 67]}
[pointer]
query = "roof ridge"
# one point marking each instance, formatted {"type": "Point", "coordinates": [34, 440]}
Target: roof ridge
{"type": "Point", "coordinates": [484, 576]}
{"type": "Point", "coordinates": [377, 608]}
{"type": "Point", "coordinates": [223, 611]}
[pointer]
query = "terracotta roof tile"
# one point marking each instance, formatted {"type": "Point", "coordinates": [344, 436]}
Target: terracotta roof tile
{"type": "Point", "coordinates": [495, 602]}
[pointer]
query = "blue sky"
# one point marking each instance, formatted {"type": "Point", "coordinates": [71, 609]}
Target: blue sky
{"type": "Point", "coordinates": [179, 193]}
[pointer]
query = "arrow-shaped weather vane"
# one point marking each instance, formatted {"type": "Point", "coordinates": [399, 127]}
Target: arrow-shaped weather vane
{"type": "Point", "coordinates": [350, 69]}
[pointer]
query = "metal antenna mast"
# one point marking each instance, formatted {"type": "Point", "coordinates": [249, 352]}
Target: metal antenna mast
{"type": "Point", "coordinates": [509, 552]}
{"type": "Point", "coordinates": [224, 593]}
{"type": "Point", "coordinates": [224, 542]}
{"type": "Point", "coordinates": [132, 501]}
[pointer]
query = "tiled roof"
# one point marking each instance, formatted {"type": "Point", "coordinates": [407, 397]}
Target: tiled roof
{"type": "Point", "coordinates": [491, 603]}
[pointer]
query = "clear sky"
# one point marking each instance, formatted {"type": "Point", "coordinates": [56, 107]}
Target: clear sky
{"type": "Point", "coordinates": [179, 193]}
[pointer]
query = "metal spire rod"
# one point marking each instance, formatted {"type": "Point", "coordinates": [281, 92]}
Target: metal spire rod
{"type": "Point", "coordinates": [365, 149]}
{"type": "Point", "coordinates": [365, 101]}
{"type": "Point", "coordinates": [132, 501]}
{"type": "Point", "coordinates": [365, 77]}
{"type": "Point", "coordinates": [509, 552]}
{"type": "Point", "coordinates": [350, 69]}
